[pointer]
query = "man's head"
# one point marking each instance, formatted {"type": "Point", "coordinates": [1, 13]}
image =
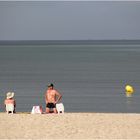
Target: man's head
{"type": "Point", "coordinates": [50, 86]}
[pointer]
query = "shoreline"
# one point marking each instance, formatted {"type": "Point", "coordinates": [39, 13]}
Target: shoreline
{"type": "Point", "coordinates": [116, 113]}
{"type": "Point", "coordinates": [70, 126]}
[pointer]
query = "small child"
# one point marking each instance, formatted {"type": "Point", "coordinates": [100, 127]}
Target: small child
{"type": "Point", "coordinates": [9, 100]}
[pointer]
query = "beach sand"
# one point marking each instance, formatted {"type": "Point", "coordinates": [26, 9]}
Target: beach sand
{"type": "Point", "coordinates": [70, 126]}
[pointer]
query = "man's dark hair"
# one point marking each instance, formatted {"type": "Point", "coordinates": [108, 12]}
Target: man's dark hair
{"type": "Point", "coordinates": [50, 85]}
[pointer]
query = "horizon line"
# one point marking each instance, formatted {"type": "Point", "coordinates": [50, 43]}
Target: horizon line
{"type": "Point", "coordinates": [69, 42]}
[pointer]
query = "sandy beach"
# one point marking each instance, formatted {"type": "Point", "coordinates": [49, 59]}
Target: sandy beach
{"type": "Point", "coordinates": [70, 126]}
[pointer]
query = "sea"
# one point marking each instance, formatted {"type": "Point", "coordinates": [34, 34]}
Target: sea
{"type": "Point", "coordinates": [90, 76]}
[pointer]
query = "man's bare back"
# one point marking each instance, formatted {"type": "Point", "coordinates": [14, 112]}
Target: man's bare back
{"type": "Point", "coordinates": [52, 96]}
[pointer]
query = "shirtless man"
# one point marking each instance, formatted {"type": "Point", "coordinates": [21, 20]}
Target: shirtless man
{"type": "Point", "coordinates": [52, 96]}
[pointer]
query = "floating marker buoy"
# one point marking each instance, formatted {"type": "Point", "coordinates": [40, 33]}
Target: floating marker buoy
{"type": "Point", "coordinates": [129, 90]}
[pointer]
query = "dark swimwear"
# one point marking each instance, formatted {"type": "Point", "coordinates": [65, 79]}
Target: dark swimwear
{"type": "Point", "coordinates": [51, 105]}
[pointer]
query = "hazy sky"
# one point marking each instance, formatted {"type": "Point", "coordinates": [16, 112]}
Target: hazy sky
{"type": "Point", "coordinates": [69, 20]}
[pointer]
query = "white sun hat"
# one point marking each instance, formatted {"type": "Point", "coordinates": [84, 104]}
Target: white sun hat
{"type": "Point", "coordinates": [10, 95]}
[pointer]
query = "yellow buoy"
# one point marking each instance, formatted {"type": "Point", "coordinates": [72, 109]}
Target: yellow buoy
{"type": "Point", "coordinates": [129, 90]}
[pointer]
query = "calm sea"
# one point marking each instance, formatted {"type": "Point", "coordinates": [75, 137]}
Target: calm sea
{"type": "Point", "coordinates": [91, 78]}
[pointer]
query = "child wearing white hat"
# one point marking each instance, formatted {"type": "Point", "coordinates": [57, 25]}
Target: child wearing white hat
{"type": "Point", "coordinates": [10, 100]}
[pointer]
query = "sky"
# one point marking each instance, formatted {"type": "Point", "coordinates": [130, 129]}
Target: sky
{"type": "Point", "coordinates": [63, 20]}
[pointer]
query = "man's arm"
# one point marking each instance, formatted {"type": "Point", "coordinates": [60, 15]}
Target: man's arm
{"type": "Point", "coordinates": [59, 96]}
{"type": "Point", "coordinates": [46, 99]}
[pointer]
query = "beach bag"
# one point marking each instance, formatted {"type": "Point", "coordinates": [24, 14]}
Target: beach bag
{"type": "Point", "coordinates": [37, 110]}
{"type": "Point", "coordinates": [60, 108]}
